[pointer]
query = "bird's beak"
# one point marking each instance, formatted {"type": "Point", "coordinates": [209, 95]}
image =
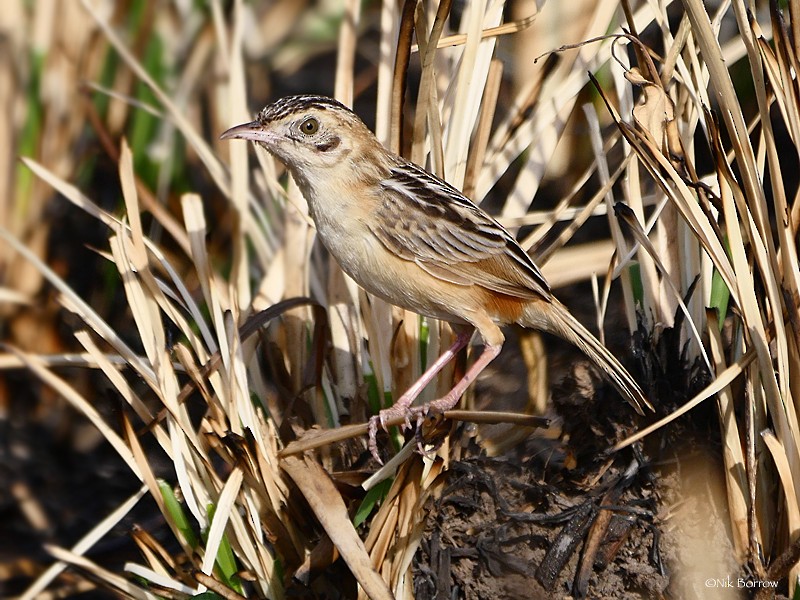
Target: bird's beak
{"type": "Point", "coordinates": [248, 131]}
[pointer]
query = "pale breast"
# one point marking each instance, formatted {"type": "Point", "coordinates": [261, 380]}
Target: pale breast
{"type": "Point", "coordinates": [342, 230]}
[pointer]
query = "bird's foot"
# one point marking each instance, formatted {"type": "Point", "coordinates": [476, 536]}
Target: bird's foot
{"type": "Point", "coordinates": [387, 414]}
{"type": "Point", "coordinates": [409, 413]}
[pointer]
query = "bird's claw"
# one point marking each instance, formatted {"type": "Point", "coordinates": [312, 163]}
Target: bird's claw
{"type": "Point", "coordinates": [418, 413]}
{"type": "Point", "coordinates": [373, 434]}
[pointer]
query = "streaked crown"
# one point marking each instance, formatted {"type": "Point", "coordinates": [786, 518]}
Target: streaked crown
{"type": "Point", "coordinates": [291, 105]}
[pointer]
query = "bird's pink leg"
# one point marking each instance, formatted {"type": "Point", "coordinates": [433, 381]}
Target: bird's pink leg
{"type": "Point", "coordinates": [401, 408]}
{"type": "Point", "coordinates": [448, 401]}
{"type": "Point", "coordinates": [444, 403]}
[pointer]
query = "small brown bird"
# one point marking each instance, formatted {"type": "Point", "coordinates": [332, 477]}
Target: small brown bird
{"type": "Point", "coordinates": [417, 242]}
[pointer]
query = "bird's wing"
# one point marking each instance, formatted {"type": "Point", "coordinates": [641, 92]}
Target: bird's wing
{"type": "Point", "coordinates": [425, 220]}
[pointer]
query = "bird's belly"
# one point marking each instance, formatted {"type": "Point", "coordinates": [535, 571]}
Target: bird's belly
{"type": "Point", "coordinates": [393, 279]}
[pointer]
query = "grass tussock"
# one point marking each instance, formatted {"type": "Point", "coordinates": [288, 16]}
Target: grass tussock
{"type": "Point", "coordinates": [244, 363]}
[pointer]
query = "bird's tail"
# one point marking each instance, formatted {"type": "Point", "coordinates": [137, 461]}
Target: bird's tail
{"type": "Point", "coordinates": [558, 320]}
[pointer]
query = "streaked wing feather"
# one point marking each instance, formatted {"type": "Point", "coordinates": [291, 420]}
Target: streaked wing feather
{"type": "Point", "coordinates": [457, 241]}
{"type": "Point", "coordinates": [443, 274]}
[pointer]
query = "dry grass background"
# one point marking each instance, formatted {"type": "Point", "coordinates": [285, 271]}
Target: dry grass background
{"type": "Point", "coordinates": [685, 145]}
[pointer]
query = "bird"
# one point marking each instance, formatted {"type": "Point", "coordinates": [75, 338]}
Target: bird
{"type": "Point", "coordinates": [415, 241]}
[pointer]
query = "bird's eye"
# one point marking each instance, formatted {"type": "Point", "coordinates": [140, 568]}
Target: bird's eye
{"type": "Point", "coordinates": [310, 126]}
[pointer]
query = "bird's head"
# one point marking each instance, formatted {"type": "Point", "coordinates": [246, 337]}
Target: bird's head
{"type": "Point", "coordinates": [305, 132]}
